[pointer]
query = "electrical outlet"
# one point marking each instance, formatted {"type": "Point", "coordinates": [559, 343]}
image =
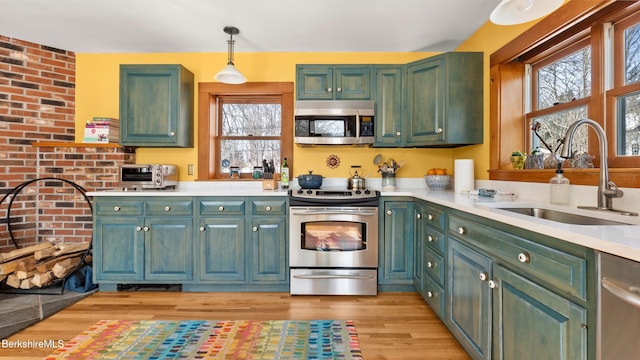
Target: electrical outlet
{"type": "Point", "coordinates": [190, 169]}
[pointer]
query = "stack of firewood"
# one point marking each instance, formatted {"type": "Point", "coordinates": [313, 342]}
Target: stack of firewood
{"type": "Point", "coordinates": [42, 264]}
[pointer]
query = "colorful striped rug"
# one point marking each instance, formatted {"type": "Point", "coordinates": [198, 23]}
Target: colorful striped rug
{"type": "Point", "coordinates": [215, 339]}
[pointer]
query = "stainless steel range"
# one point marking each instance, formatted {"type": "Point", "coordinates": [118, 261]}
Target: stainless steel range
{"type": "Point", "coordinates": [333, 245]}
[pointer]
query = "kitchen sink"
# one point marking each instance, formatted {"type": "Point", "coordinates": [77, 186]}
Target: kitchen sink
{"type": "Point", "coordinates": [562, 217]}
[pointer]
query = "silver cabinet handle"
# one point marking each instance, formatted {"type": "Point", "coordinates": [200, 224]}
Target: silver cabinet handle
{"type": "Point", "coordinates": [167, 208]}
{"type": "Point", "coordinates": [138, 228]}
{"type": "Point", "coordinates": [524, 257]}
{"type": "Point", "coordinates": [116, 208]}
{"type": "Point", "coordinates": [439, 130]}
{"type": "Point", "coordinates": [255, 228]}
{"type": "Point", "coordinates": [419, 216]}
{"type": "Point", "coordinates": [462, 230]}
{"type": "Point", "coordinates": [397, 133]}
{"type": "Point", "coordinates": [389, 212]}
{"type": "Point", "coordinates": [484, 276]}
{"type": "Point", "coordinates": [329, 89]}
{"type": "Point", "coordinates": [268, 208]}
{"type": "Point", "coordinates": [430, 238]}
{"type": "Point", "coordinates": [430, 217]}
{"type": "Point", "coordinates": [146, 228]}
{"type": "Point", "coordinates": [429, 264]}
{"type": "Point", "coordinates": [221, 208]}
{"type": "Point", "coordinates": [492, 284]}
{"type": "Point", "coordinates": [429, 294]}
{"type": "Point", "coordinates": [201, 228]}
{"type": "Point", "coordinates": [172, 133]}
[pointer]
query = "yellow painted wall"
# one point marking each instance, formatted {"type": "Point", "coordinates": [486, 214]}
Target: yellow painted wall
{"type": "Point", "coordinates": [97, 78]}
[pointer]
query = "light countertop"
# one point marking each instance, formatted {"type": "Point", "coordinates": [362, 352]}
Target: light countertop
{"type": "Point", "coordinates": [621, 240]}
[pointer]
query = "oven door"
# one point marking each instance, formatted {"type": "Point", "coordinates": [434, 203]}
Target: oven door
{"type": "Point", "coordinates": [333, 237]}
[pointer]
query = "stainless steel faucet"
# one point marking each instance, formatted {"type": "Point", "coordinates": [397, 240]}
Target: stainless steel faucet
{"type": "Point", "coordinates": [607, 189]}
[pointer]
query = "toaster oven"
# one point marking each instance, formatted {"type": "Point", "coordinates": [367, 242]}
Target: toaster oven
{"type": "Point", "coordinates": [149, 176]}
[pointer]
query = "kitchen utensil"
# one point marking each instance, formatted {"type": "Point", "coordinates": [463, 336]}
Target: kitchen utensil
{"type": "Point", "coordinates": [310, 180]}
{"type": "Point", "coordinates": [377, 160]}
{"type": "Point", "coordinates": [356, 182]}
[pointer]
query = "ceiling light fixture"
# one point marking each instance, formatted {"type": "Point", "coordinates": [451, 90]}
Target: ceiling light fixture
{"type": "Point", "coordinates": [512, 12]}
{"type": "Point", "coordinates": [230, 75]}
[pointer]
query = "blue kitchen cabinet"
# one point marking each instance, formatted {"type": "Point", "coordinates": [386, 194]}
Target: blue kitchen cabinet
{"type": "Point", "coordinates": [434, 259]}
{"type": "Point", "coordinates": [389, 116]}
{"type": "Point", "coordinates": [512, 293]}
{"type": "Point", "coordinates": [419, 282]}
{"type": "Point", "coordinates": [142, 240]}
{"type": "Point", "coordinates": [269, 241]}
{"type": "Point", "coordinates": [396, 245]}
{"type": "Point", "coordinates": [156, 105]}
{"type": "Point", "coordinates": [333, 82]}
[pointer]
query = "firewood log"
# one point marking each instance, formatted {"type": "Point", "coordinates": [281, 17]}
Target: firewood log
{"type": "Point", "coordinates": [23, 251]}
{"type": "Point", "coordinates": [43, 279]}
{"type": "Point", "coordinates": [64, 267]}
{"type": "Point", "coordinates": [61, 249]}
{"type": "Point", "coordinates": [13, 281]}
{"type": "Point", "coordinates": [26, 284]}
{"type": "Point", "coordinates": [8, 267]}
{"type": "Point", "coordinates": [27, 263]}
{"type": "Point", "coordinates": [24, 274]}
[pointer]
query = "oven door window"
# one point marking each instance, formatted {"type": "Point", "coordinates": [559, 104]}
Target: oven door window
{"type": "Point", "coordinates": [333, 236]}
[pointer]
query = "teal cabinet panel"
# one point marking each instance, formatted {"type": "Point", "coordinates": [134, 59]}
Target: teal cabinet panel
{"type": "Point", "coordinates": [118, 249]}
{"type": "Point", "coordinates": [435, 296]}
{"type": "Point", "coordinates": [389, 119]}
{"type": "Point", "coordinates": [530, 322]}
{"type": "Point", "coordinates": [169, 207]}
{"type": "Point", "coordinates": [333, 82]}
{"type": "Point", "coordinates": [169, 249]}
{"type": "Point", "coordinates": [425, 106]}
{"type": "Point", "coordinates": [418, 246]}
{"type": "Point", "coordinates": [264, 206]}
{"type": "Point", "coordinates": [118, 207]}
{"type": "Point", "coordinates": [269, 250]}
{"type": "Point", "coordinates": [222, 206]}
{"type": "Point", "coordinates": [469, 306]}
{"type": "Point", "coordinates": [397, 244]}
{"type": "Point", "coordinates": [222, 249]}
{"type": "Point", "coordinates": [156, 105]}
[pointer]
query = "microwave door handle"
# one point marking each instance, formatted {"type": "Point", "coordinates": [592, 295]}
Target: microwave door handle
{"type": "Point", "coordinates": [357, 126]}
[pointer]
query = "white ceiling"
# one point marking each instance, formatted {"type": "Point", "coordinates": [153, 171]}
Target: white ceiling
{"type": "Point", "coordinates": [140, 26]}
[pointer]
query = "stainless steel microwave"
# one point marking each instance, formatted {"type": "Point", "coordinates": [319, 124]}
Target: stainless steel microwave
{"type": "Point", "coordinates": [149, 176]}
{"type": "Point", "coordinates": [340, 122]}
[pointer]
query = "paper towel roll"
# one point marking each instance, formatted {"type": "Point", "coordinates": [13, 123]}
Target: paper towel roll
{"type": "Point", "coordinates": [463, 176]}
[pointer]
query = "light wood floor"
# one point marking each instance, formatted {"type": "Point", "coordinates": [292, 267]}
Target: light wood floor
{"type": "Point", "coordinates": [390, 325]}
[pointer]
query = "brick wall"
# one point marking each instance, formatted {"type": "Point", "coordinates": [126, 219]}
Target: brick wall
{"type": "Point", "coordinates": [37, 104]}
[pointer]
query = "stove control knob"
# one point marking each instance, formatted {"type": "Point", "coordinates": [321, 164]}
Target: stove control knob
{"type": "Point", "coordinates": [309, 192]}
{"type": "Point", "coordinates": [358, 192]}
{"type": "Point", "coordinates": [300, 191]}
{"type": "Point", "coordinates": [367, 192]}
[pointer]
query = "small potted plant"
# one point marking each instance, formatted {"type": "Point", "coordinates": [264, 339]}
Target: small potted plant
{"type": "Point", "coordinates": [518, 159]}
{"type": "Point", "coordinates": [535, 160]}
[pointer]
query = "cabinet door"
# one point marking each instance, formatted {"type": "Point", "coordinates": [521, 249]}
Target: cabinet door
{"type": "Point", "coordinates": [530, 322]}
{"type": "Point", "coordinates": [168, 249]}
{"type": "Point", "coordinates": [269, 250]}
{"type": "Point", "coordinates": [222, 249]}
{"type": "Point", "coordinates": [397, 249]}
{"type": "Point", "coordinates": [353, 83]}
{"type": "Point", "coordinates": [469, 299]}
{"type": "Point", "coordinates": [314, 82]}
{"type": "Point", "coordinates": [118, 248]}
{"type": "Point", "coordinates": [156, 106]}
{"type": "Point", "coordinates": [426, 96]}
{"type": "Point", "coordinates": [389, 110]}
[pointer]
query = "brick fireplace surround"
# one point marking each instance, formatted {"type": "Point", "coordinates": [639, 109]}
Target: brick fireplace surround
{"type": "Point", "coordinates": [37, 134]}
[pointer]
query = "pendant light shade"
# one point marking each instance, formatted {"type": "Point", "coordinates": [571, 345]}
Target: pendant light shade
{"type": "Point", "coordinates": [229, 74]}
{"type": "Point", "coordinates": [512, 12]}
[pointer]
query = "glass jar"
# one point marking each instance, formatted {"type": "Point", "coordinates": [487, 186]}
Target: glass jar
{"type": "Point", "coordinates": [234, 172]}
{"type": "Point", "coordinates": [257, 172]}
{"type": "Point", "coordinates": [388, 181]}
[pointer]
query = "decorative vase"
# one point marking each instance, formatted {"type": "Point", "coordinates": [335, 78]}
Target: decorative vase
{"type": "Point", "coordinates": [517, 161]}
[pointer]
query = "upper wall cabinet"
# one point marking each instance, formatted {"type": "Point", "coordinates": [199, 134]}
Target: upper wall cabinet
{"type": "Point", "coordinates": [156, 106]}
{"type": "Point", "coordinates": [433, 102]}
{"type": "Point", "coordinates": [333, 82]}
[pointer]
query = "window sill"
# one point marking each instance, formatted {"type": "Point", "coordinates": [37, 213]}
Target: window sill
{"type": "Point", "coordinates": [623, 177]}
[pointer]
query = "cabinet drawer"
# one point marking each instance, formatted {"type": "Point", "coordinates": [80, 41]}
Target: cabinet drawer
{"type": "Point", "coordinates": [434, 265]}
{"type": "Point", "coordinates": [269, 207]}
{"type": "Point", "coordinates": [434, 296]}
{"type": "Point", "coordinates": [434, 239]}
{"type": "Point", "coordinates": [169, 207]}
{"type": "Point", "coordinates": [565, 271]}
{"type": "Point", "coordinates": [435, 218]}
{"type": "Point", "coordinates": [119, 207]}
{"type": "Point", "coordinates": [222, 206]}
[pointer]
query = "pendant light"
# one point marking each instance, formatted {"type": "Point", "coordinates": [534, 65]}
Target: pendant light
{"type": "Point", "coordinates": [512, 12]}
{"type": "Point", "coordinates": [229, 74]}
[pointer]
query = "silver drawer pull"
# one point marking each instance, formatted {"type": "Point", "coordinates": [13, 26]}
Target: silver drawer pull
{"type": "Point", "coordinates": [329, 89]}
{"type": "Point", "coordinates": [268, 208]}
{"type": "Point", "coordinates": [221, 208]}
{"type": "Point", "coordinates": [430, 238]}
{"type": "Point", "coordinates": [389, 212]}
{"type": "Point", "coordinates": [492, 284]}
{"type": "Point", "coordinates": [429, 294]}
{"type": "Point", "coordinates": [167, 208]}
{"type": "Point", "coordinates": [429, 264]}
{"type": "Point", "coordinates": [462, 230]}
{"type": "Point", "coordinates": [116, 208]}
{"type": "Point", "coordinates": [398, 133]}
{"type": "Point", "coordinates": [201, 228]}
{"type": "Point", "coordinates": [419, 216]}
{"type": "Point", "coordinates": [255, 228]}
{"type": "Point", "coordinates": [173, 133]}
{"type": "Point", "coordinates": [439, 130]}
{"type": "Point", "coordinates": [430, 216]}
{"type": "Point", "coordinates": [339, 89]}
{"type": "Point", "coordinates": [524, 257]}
{"type": "Point", "coordinates": [146, 228]}
{"type": "Point", "coordinates": [484, 276]}
{"type": "Point", "coordinates": [138, 228]}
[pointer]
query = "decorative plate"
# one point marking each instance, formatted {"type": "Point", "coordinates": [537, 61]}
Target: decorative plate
{"type": "Point", "coordinates": [333, 161]}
